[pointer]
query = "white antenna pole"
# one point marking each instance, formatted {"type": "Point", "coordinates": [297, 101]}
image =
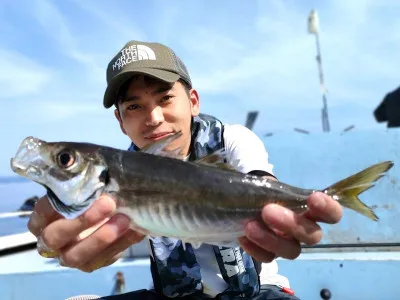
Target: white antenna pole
{"type": "Point", "coordinates": [313, 28]}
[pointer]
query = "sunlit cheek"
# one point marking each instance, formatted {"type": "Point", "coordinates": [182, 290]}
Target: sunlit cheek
{"type": "Point", "coordinates": [177, 114]}
{"type": "Point", "coordinates": [167, 112]}
{"type": "Point", "coordinates": [133, 125]}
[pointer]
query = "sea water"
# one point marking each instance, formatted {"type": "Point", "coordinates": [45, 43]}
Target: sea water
{"type": "Point", "coordinates": [12, 196]}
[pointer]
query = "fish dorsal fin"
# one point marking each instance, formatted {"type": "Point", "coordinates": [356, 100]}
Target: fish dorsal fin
{"type": "Point", "coordinates": [217, 160]}
{"type": "Point", "coordinates": [158, 148]}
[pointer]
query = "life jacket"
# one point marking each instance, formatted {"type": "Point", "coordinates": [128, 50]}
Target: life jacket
{"type": "Point", "coordinates": [174, 268]}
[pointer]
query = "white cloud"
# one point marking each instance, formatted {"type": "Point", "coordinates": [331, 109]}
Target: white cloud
{"type": "Point", "coordinates": [113, 20]}
{"type": "Point", "coordinates": [278, 66]}
{"type": "Point", "coordinates": [265, 60]}
{"type": "Point", "coordinates": [57, 27]}
{"type": "Point", "coordinates": [21, 76]}
{"type": "Point", "coordinates": [59, 110]}
{"type": "Point", "coordinates": [63, 110]}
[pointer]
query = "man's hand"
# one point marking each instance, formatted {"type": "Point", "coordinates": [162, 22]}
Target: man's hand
{"type": "Point", "coordinates": [282, 231]}
{"type": "Point", "coordinates": [95, 239]}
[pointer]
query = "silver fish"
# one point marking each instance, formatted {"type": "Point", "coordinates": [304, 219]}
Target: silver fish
{"type": "Point", "coordinates": [204, 201]}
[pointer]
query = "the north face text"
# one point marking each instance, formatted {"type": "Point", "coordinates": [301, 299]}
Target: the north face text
{"type": "Point", "coordinates": [229, 257]}
{"type": "Point", "coordinates": [133, 53]}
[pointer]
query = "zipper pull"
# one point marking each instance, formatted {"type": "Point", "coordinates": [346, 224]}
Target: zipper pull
{"type": "Point", "coordinates": [286, 290]}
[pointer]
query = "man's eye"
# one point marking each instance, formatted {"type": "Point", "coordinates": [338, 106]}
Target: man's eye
{"type": "Point", "coordinates": [132, 107]}
{"type": "Point", "coordinates": [166, 98]}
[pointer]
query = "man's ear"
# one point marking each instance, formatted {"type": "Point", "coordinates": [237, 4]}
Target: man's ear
{"type": "Point", "coordinates": [194, 102]}
{"type": "Point", "coordinates": [116, 113]}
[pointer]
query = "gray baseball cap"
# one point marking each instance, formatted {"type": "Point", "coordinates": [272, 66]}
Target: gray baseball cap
{"type": "Point", "coordinates": [153, 59]}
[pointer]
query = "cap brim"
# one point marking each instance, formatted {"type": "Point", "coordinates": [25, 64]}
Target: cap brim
{"type": "Point", "coordinates": [115, 84]}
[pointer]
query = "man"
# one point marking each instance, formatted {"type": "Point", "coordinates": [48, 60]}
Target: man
{"type": "Point", "coordinates": [154, 97]}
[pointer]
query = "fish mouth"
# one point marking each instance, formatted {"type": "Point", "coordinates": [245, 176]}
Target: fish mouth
{"type": "Point", "coordinates": [23, 169]}
{"type": "Point", "coordinates": [26, 155]}
{"type": "Point", "coordinates": [18, 166]}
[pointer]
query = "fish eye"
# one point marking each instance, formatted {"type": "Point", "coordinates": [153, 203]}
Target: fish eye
{"type": "Point", "coordinates": [65, 159]}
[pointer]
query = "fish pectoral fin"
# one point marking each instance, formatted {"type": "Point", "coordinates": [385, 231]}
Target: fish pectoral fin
{"type": "Point", "coordinates": [158, 148]}
{"type": "Point", "coordinates": [194, 244]}
{"type": "Point", "coordinates": [216, 159]}
{"type": "Point", "coordinates": [228, 244]}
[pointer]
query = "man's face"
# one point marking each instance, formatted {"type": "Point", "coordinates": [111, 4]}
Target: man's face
{"type": "Point", "coordinates": [152, 110]}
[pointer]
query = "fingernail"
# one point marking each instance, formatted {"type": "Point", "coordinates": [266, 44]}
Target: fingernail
{"type": "Point", "coordinates": [61, 262]}
{"type": "Point", "coordinates": [44, 250]}
{"type": "Point", "coordinates": [37, 221]}
{"type": "Point", "coordinates": [97, 265]}
{"type": "Point", "coordinates": [49, 254]}
{"type": "Point", "coordinates": [41, 245]}
{"type": "Point", "coordinates": [119, 223]}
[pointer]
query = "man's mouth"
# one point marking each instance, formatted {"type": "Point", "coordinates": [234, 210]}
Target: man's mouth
{"type": "Point", "coordinates": [158, 136]}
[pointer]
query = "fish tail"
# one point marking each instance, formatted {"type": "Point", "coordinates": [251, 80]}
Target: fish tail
{"type": "Point", "coordinates": [347, 190]}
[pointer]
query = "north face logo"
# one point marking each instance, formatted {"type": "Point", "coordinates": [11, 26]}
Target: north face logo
{"type": "Point", "coordinates": [133, 53]}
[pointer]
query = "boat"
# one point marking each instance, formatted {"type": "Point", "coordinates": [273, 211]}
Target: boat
{"type": "Point", "coordinates": [355, 260]}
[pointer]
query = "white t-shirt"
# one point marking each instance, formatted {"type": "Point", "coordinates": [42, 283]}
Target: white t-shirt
{"type": "Point", "coordinates": [246, 152]}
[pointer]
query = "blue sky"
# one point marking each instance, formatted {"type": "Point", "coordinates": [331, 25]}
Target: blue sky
{"type": "Point", "coordinates": [242, 56]}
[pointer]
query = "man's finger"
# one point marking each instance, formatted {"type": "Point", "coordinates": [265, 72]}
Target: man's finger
{"type": "Point", "coordinates": [61, 232]}
{"type": "Point", "coordinates": [266, 239]}
{"type": "Point", "coordinates": [84, 251]}
{"type": "Point", "coordinates": [90, 267]}
{"type": "Point", "coordinates": [42, 215]}
{"type": "Point", "coordinates": [114, 251]}
{"type": "Point", "coordinates": [323, 208]}
{"type": "Point", "coordinates": [292, 224]}
{"type": "Point", "coordinates": [255, 251]}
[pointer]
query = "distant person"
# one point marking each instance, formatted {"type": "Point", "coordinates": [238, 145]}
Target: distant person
{"type": "Point", "coordinates": [29, 204]}
{"type": "Point", "coordinates": [153, 95]}
{"type": "Point", "coordinates": [389, 109]}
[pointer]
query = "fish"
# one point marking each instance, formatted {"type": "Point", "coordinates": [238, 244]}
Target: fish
{"type": "Point", "coordinates": [165, 195]}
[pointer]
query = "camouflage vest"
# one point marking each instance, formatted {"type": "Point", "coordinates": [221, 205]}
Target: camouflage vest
{"type": "Point", "coordinates": [175, 270]}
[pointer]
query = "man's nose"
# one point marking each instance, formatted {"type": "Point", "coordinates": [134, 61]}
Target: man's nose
{"type": "Point", "coordinates": [155, 116]}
